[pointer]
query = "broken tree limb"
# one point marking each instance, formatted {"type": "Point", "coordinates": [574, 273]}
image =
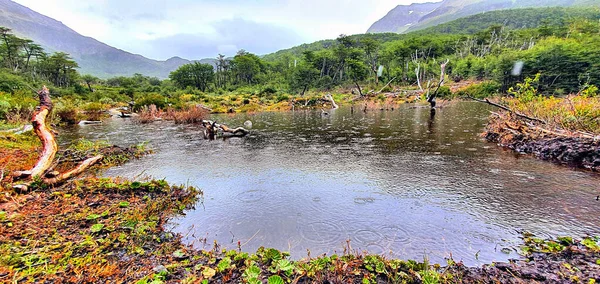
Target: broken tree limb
{"type": "Point", "coordinates": [19, 130]}
{"type": "Point", "coordinates": [43, 132]}
{"type": "Point", "coordinates": [50, 148]}
{"type": "Point", "coordinates": [443, 73]}
{"type": "Point", "coordinates": [76, 171]}
{"type": "Point", "coordinates": [487, 101]}
{"type": "Point", "coordinates": [418, 72]}
{"type": "Point", "coordinates": [330, 98]}
{"type": "Point", "coordinates": [212, 127]}
{"type": "Point", "coordinates": [386, 85]}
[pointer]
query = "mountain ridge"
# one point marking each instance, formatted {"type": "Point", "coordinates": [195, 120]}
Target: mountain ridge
{"type": "Point", "coordinates": [94, 57]}
{"type": "Point", "coordinates": [407, 14]}
{"type": "Point", "coordinates": [449, 10]}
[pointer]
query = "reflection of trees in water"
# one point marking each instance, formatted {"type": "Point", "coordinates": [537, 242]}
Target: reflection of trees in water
{"type": "Point", "coordinates": [431, 121]}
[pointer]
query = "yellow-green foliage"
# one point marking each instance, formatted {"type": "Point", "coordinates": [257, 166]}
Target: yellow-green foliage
{"type": "Point", "coordinates": [574, 112]}
{"type": "Point", "coordinates": [17, 106]}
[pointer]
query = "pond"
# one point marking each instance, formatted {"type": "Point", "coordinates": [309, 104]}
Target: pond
{"type": "Point", "coordinates": [399, 182]}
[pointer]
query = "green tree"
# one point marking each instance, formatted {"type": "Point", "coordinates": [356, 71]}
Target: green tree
{"type": "Point", "coordinates": [246, 67]}
{"type": "Point", "coordinates": [59, 69]}
{"type": "Point", "coordinates": [303, 77]}
{"type": "Point", "coordinates": [89, 80]}
{"type": "Point", "coordinates": [197, 75]}
{"type": "Point", "coordinates": [371, 47]}
{"type": "Point", "coordinates": [357, 69]}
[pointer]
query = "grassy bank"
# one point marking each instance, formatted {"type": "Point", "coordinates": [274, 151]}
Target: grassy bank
{"type": "Point", "coordinates": [564, 130]}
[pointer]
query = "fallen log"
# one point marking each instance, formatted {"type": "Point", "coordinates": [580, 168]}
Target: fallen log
{"type": "Point", "coordinates": [50, 148]}
{"type": "Point", "coordinates": [76, 171]}
{"type": "Point", "coordinates": [386, 85]}
{"type": "Point", "coordinates": [487, 101]}
{"type": "Point", "coordinates": [19, 130]}
{"type": "Point", "coordinates": [212, 127]}
{"type": "Point", "coordinates": [89, 122]}
{"type": "Point", "coordinates": [43, 132]}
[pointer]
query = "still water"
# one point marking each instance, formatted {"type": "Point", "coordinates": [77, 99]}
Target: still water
{"type": "Point", "coordinates": [400, 183]}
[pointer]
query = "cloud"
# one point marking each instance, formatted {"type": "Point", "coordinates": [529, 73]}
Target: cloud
{"type": "Point", "coordinates": [160, 29]}
{"type": "Point", "coordinates": [227, 36]}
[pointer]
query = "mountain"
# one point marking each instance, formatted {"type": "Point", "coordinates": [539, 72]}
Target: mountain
{"type": "Point", "coordinates": [514, 19]}
{"type": "Point", "coordinates": [402, 17]}
{"type": "Point", "coordinates": [93, 57]}
{"type": "Point", "coordinates": [449, 10]}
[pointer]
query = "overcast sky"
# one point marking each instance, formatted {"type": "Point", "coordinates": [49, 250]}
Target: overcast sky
{"type": "Point", "coordinates": [194, 29]}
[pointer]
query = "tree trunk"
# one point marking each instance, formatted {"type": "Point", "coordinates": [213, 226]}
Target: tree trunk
{"type": "Point", "coordinates": [359, 90]}
{"type": "Point", "coordinates": [49, 148]}
{"type": "Point", "coordinates": [43, 132]}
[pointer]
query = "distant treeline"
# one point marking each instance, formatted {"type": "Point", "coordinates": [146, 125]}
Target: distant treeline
{"type": "Point", "coordinates": [561, 44]}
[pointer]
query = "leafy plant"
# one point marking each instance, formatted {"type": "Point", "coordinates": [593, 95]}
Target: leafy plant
{"type": "Point", "coordinates": [224, 264]}
{"type": "Point", "coordinates": [96, 228]}
{"type": "Point", "coordinates": [275, 279]}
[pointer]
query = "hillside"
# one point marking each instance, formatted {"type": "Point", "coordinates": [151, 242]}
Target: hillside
{"type": "Point", "coordinates": [449, 10]}
{"type": "Point", "coordinates": [402, 17]}
{"type": "Point", "coordinates": [511, 18]}
{"type": "Point", "coordinates": [93, 57]}
{"type": "Point", "coordinates": [514, 19]}
{"type": "Point", "coordinates": [297, 51]}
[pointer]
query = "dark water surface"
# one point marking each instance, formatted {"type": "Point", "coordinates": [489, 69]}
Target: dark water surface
{"type": "Point", "coordinates": [396, 182]}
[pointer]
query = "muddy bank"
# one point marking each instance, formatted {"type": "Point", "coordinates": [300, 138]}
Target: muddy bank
{"type": "Point", "coordinates": [561, 261]}
{"type": "Point", "coordinates": [568, 149]}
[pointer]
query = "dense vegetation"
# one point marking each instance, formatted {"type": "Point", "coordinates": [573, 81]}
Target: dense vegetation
{"type": "Point", "coordinates": [560, 44]}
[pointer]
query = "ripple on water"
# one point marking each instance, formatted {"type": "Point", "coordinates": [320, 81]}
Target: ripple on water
{"type": "Point", "coordinates": [394, 234]}
{"type": "Point", "coordinates": [364, 200]}
{"type": "Point", "coordinates": [374, 248]}
{"type": "Point", "coordinates": [367, 236]}
{"type": "Point", "coordinates": [251, 196]}
{"type": "Point", "coordinates": [323, 232]}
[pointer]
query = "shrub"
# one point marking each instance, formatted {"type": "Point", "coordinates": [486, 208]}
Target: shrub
{"type": "Point", "coordinates": [66, 111]}
{"type": "Point", "coordinates": [480, 91]}
{"type": "Point", "coordinates": [68, 115]}
{"type": "Point", "coordinates": [191, 114]}
{"type": "Point", "coordinates": [106, 101]}
{"type": "Point", "coordinates": [10, 82]}
{"type": "Point", "coordinates": [4, 108]}
{"type": "Point", "coordinates": [268, 90]}
{"type": "Point", "coordinates": [151, 99]}
{"type": "Point", "coordinates": [444, 92]}
{"type": "Point", "coordinates": [282, 98]}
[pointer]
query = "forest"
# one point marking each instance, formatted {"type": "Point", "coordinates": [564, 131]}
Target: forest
{"type": "Point", "coordinates": [560, 44]}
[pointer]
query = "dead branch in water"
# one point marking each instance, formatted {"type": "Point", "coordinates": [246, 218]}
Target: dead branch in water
{"type": "Point", "coordinates": [330, 98]}
{"type": "Point", "coordinates": [212, 127]}
{"type": "Point", "coordinates": [487, 101]}
{"type": "Point", "coordinates": [50, 148]}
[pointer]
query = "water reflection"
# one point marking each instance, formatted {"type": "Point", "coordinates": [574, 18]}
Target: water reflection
{"type": "Point", "coordinates": [407, 182]}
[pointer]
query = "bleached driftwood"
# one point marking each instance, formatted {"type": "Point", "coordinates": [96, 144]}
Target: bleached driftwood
{"type": "Point", "coordinates": [330, 98]}
{"type": "Point", "coordinates": [50, 148]}
{"type": "Point", "coordinates": [212, 127]}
